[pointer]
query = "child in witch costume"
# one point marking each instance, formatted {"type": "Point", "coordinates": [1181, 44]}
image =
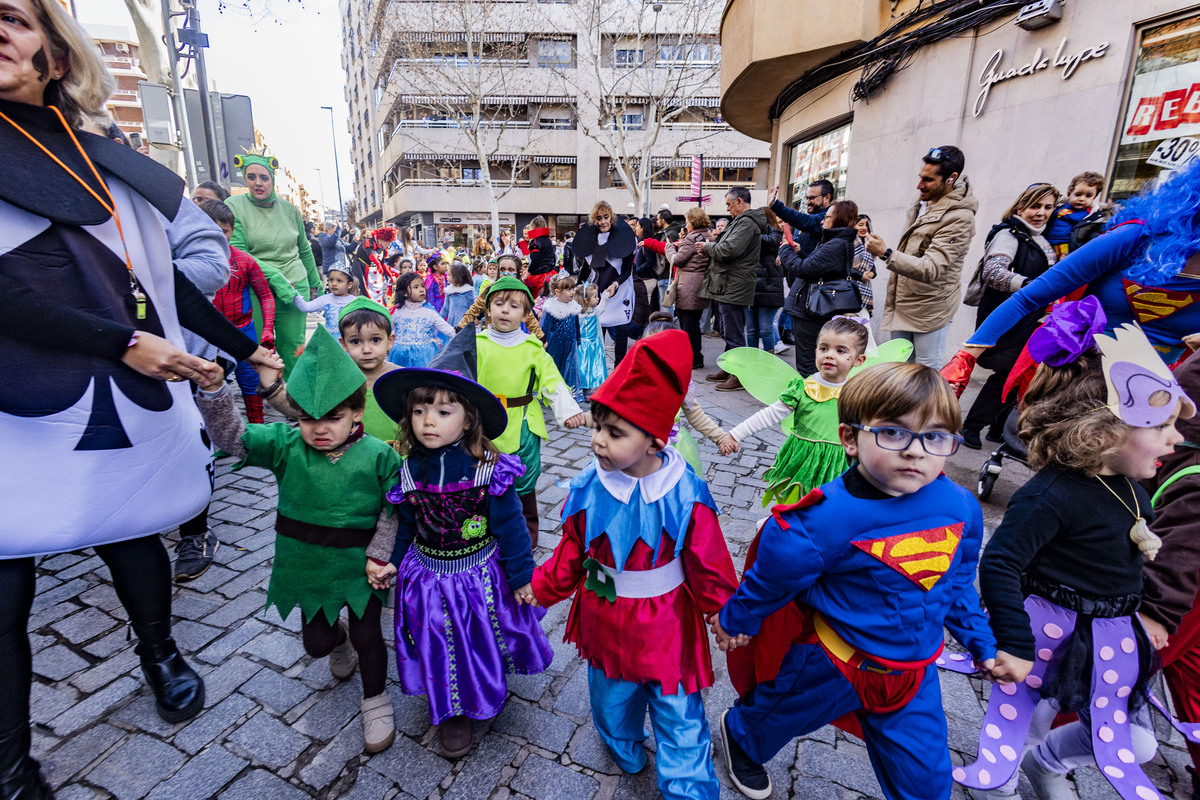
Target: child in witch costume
{"type": "Point", "coordinates": [643, 553]}
{"type": "Point", "coordinates": [461, 552]}
{"type": "Point", "coordinates": [515, 367]}
{"type": "Point", "coordinates": [366, 335]}
{"type": "Point", "coordinates": [332, 480]}
{"type": "Point", "coordinates": [847, 593]}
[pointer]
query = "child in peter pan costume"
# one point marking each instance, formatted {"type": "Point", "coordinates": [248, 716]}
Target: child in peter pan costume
{"type": "Point", "coordinates": [515, 367]}
{"type": "Point", "coordinates": [333, 480]}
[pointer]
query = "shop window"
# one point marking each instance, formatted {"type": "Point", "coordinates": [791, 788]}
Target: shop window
{"type": "Point", "coordinates": [821, 157]}
{"type": "Point", "coordinates": [561, 176]}
{"type": "Point", "coordinates": [1160, 128]}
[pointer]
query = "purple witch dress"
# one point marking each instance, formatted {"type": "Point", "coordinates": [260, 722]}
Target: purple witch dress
{"type": "Point", "coordinates": [462, 548]}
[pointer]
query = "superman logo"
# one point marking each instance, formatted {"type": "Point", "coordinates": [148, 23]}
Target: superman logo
{"type": "Point", "coordinates": [1151, 303]}
{"type": "Point", "coordinates": [921, 556]}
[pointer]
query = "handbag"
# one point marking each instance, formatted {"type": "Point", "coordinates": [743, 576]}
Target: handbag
{"type": "Point", "coordinates": [974, 294]}
{"type": "Point", "coordinates": [826, 298]}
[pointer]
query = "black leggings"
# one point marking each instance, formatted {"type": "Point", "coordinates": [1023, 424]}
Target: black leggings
{"type": "Point", "coordinates": [365, 635]}
{"type": "Point", "coordinates": [141, 573]}
{"type": "Point", "coordinates": [690, 322]}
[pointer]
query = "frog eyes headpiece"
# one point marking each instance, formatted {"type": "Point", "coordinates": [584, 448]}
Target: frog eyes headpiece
{"type": "Point", "coordinates": [1142, 391]}
{"type": "Point", "coordinates": [255, 156]}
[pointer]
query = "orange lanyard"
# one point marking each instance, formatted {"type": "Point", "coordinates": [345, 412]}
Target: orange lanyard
{"type": "Point", "coordinates": [111, 206]}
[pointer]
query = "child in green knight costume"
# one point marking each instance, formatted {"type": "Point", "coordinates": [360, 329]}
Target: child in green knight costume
{"type": "Point", "coordinates": [271, 230]}
{"type": "Point", "coordinates": [333, 479]}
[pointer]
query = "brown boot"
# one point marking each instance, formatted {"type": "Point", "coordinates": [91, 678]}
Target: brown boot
{"type": "Point", "coordinates": [456, 737]}
{"type": "Point", "coordinates": [529, 510]}
{"type": "Point", "coordinates": [717, 377]}
{"type": "Point", "coordinates": [732, 384]}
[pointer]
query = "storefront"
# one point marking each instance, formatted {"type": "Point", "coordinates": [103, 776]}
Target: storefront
{"type": "Point", "coordinates": [461, 229]}
{"type": "Point", "coordinates": [1111, 87]}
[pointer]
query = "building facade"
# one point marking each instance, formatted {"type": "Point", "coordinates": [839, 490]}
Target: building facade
{"type": "Point", "coordinates": [417, 164]}
{"type": "Point", "coordinates": [119, 50]}
{"type": "Point", "coordinates": [858, 91]}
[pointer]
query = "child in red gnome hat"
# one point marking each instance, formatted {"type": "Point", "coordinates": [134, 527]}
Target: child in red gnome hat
{"type": "Point", "coordinates": [643, 550]}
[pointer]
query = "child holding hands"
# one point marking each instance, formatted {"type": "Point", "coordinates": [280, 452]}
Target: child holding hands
{"type": "Point", "coordinates": [643, 553]}
{"type": "Point", "coordinates": [461, 551]}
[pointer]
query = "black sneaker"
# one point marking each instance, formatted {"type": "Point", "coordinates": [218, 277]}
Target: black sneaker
{"type": "Point", "coordinates": [194, 555]}
{"type": "Point", "coordinates": [995, 436]}
{"type": "Point", "coordinates": [748, 778]}
{"type": "Point", "coordinates": [971, 439]}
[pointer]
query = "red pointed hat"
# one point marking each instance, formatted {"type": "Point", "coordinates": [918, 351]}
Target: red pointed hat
{"type": "Point", "coordinates": [648, 386]}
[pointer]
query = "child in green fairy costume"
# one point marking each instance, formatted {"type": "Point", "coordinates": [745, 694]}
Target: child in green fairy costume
{"type": "Point", "coordinates": [333, 479]}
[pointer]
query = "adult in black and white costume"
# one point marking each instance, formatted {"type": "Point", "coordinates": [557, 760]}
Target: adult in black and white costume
{"type": "Point", "coordinates": [100, 443]}
{"type": "Point", "coordinates": [604, 252]}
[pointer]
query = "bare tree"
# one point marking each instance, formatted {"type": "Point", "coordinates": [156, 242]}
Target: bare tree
{"type": "Point", "coordinates": [448, 65]}
{"type": "Point", "coordinates": [634, 83]}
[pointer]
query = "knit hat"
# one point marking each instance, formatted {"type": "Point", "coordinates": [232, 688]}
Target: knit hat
{"type": "Point", "coordinates": [363, 304]}
{"type": "Point", "coordinates": [324, 375]}
{"type": "Point", "coordinates": [455, 369]}
{"type": "Point", "coordinates": [646, 389]}
{"type": "Point", "coordinates": [507, 283]}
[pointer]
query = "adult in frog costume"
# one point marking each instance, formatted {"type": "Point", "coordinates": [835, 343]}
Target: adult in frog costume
{"type": "Point", "coordinates": [271, 230]}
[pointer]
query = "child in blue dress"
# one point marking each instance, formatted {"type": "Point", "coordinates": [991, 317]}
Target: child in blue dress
{"type": "Point", "coordinates": [460, 294]}
{"type": "Point", "coordinates": [560, 320]}
{"type": "Point", "coordinates": [415, 324]}
{"type": "Point", "coordinates": [593, 369]}
{"type": "Point", "coordinates": [342, 289]}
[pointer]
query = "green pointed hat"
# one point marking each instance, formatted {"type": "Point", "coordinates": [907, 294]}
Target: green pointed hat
{"type": "Point", "coordinates": [323, 376]}
{"type": "Point", "coordinates": [361, 303]}
{"type": "Point", "coordinates": [508, 283]}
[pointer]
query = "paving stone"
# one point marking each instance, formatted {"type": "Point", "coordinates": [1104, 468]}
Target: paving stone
{"type": "Point", "coordinates": [106, 671]}
{"type": "Point", "coordinates": [332, 712]}
{"type": "Point", "coordinates": [46, 703]}
{"type": "Point", "coordinates": [574, 699]}
{"type": "Point", "coordinates": [213, 577]}
{"type": "Point", "coordinates": [93, 707]}
{"type": "Point", "coordinates": [819, 761]}
{"type": "Point", "coordinates": [232, 612]}
{"type": "Point", "coordinates": [78, 752]}
{"type": "Point", "coordinates": [79, 570]}
{"type": "Point", "coordinates": [262, 784]}
{"type": "Point", "coordinates": [529, 687]}
{"type": "Point", "coordinates": [249, 580]}
{"type": "Point", "coordinates": [278, 647]}
{"type": "Point", "coordinates": [59, 593]}
{"type": "Point", "coordinates": [41, 619]}
{"type": "Point", "coordinates": [60, 561]}
{"type": "Point", "coordinates": [271, 615]}
{"type": "Point", "coordinates": [413, 768]}
{"type": "Point", "coordinates": [370, 785]}
{"type": "Point", "coordinates": [191, 605]}
{"type": "Point", "coordinates": [143, 713]}
{"type": "Point", "coordinates": [589, 750]}
{"type": "Point", "coordinates": [192, 636]}
{"type": "Point", "coordinates": [324, 768]}
{"type": "Point", "coordinates": [57, 662]}
{"type": "Point", "coordinates": [411, 713]}
{"type": "Point", "coordinates": [237, 514]}
{"type": "Point", "coordinates": [226, 677]}
{"type": "Point", "coordinates": [251, 558]}
{"type": "Point", "coordinates": [76, 792]}
{"type": "Point", "coordinates": [136, 767]}
{"type": "Point", "coordinates": [103, 648]}
{"type": "Point", "coordinates": [540, 727]}
{"type": "Point", "coordinates": [209, 724]}
{"type": "Point", "coordinates": [275, 691]}
{"type": "Point", "coordinates": [201, 776]}
{"type": "Point", "coordinates": [269, 741]}
{"type": "Point", "coordinates": [547, 780]}
{"type": "Point", "coordinates": [481, 774]}
{"type": "Point", "coordinates": [84, 625]}
{"type": "Point", "coordinates": [231, 642]}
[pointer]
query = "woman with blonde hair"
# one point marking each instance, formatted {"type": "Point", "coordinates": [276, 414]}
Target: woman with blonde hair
{"type": "Point", "coordinates": [101, 442]}
{"type": "Point", "coordinates": [605, 253]}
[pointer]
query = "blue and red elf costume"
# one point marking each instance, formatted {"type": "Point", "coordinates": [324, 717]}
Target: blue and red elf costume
{"type": "Point", "coordinates": [538, 247]}
{"type": "Point", "coordinates": [846, 593]}
{"type": "Point", "coordinates": [647, 563]}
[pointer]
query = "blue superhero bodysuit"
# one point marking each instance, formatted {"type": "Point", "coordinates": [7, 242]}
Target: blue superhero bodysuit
{"type": "Point", "coordinates": [877, 578]}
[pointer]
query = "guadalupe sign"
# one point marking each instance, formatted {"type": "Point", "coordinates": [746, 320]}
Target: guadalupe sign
{"type": "Point", "coordinates": [993, 71]}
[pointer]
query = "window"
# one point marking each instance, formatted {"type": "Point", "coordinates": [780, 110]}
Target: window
{"type": "Point", "coordinates": [378, 94]}
{"type": "Point", "coordinates": [628, 57]}
{"type": "Point", "coordinates": [821, 157]}
{"type": "Point", "coordinates": [629, 122]}
{"type": "Point", "coordinates": [472, 174]}
{"type": "Point", "coordinates": [1162, 108]}
{"type": "Point", "coordinates": [554, 53]}
{"type": "Point", "coordinates": [555, 123]}
{"type": "Point", "coordinates": [557, 175]}
{"type": "Point", "coordinates": [699, 54]}
{"type": "Point", "coordinates": [743, 175]}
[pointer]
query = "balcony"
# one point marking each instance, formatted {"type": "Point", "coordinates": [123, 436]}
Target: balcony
{"type": "Point", "coordinates": [123, 63]}
{"type": "Point", "coordinates": [455, 123]}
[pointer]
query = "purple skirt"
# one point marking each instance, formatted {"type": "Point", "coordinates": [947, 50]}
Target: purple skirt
{"type": "Point", "coordinates": [459, 632]}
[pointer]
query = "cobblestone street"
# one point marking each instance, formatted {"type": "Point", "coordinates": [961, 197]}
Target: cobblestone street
{"type": "Point", "coordinates": [277, 725]}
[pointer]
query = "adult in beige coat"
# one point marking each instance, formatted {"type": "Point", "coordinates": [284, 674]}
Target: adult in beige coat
{"type": "Point", "coordinates": [925, 285]}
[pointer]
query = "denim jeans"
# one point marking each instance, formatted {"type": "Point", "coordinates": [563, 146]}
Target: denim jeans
{"type": "Point", "coordinates": [733, 324]}
{"type": "Point", "coordinates": [760, 322]}
{"type": "Point", "coordinates": [928, 348]}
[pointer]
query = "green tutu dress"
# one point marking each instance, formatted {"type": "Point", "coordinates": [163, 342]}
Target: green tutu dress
{"type": "Point", "coordinates": [812, 454]}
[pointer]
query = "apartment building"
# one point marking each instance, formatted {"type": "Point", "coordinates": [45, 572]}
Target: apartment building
{"type": "Point", "coordinates": [119, 50]}
{"type": "Point", "coordinates": [561, 100]}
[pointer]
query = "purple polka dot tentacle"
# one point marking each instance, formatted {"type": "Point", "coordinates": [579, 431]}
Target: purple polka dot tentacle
{"type": "Point", "coordinates": [1190, 730]}
{"type": "Point", "coordinates": [1010, 707]}
{"type": "Point", "coordinates": [1114, 675]}
{"type": "Point", "coordinates": [961, 663]}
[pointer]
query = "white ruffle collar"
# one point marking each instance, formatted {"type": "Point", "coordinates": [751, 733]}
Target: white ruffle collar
{"type": "Point", "coordinates": [653, 487]}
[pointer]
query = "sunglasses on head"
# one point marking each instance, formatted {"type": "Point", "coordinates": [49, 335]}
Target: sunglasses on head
{"type": "Point", "coordinates": [936, 153]}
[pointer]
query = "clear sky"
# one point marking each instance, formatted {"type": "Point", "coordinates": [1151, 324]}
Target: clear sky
{"type": "Point", "coordinates": [286, 58]}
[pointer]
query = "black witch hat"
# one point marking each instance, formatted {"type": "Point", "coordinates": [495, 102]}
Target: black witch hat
{"type": "Point", "coordinates": [453, 369]}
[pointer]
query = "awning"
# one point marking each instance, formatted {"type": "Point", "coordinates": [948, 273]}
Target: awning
{"type": "Point", "coordinates": [494, 99]}
{"type": "Point", "coordinates": [554, 159]}
{"type": "Point", "coordinates": [460, 36]}
{"type": "Point", "coordinates": [692, 102]}
{"type": "Point", "coordinates": [432, 99]}
{"type": "Point", "coordinates": [727, 163]}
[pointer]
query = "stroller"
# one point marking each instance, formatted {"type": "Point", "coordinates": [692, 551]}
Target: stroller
{"type": "Point", "coordinates": [1012, 447]}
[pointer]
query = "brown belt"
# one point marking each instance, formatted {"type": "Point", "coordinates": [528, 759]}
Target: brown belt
{"type": "Point", "coordinates": [515, 402]}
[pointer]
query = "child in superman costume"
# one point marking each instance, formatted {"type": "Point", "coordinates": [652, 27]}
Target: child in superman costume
{"type": "Point", "coordinates": [643, 552]}
{"type": "Point", "coordinates": [850, 589]}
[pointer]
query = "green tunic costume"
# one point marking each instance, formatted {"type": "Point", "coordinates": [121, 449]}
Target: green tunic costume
{"type": "Point", "coordinates": [272, 232]}
{"type": "Point", "coordinates": [327, 515]}
{"type": "Point", "coordinates": [811, 455]}
{"type": "Point", "coordinates": [376, 422]}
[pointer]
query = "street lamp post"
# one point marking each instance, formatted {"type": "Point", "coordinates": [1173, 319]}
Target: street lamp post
{"type": "Point", "coordinates": [337, 173]}
{"type": "Point", "coordinates": [321, 186]}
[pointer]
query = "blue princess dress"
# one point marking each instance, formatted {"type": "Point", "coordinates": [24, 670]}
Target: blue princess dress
{"type": "Point", "coordinates": [560, 323]}
{"type": "Point", "coordinates": [417, 327]}
{"type": "Point", "coordinates": [593, 369]}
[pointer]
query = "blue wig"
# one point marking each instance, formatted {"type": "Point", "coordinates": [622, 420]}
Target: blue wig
{"type": "Point", "coordinates": [1171, 212]}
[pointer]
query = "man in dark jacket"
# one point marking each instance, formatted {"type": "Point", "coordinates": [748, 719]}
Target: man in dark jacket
{"type": "Point", "coordinates": [732, 273]}
{"type": "Point", "coordinates": [807, 227]}
{"type": "Point", "coordinates": [310, 231]}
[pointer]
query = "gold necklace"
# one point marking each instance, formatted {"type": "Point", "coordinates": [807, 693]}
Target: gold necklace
{"type": "Point", "coordinates": [1140, 531]}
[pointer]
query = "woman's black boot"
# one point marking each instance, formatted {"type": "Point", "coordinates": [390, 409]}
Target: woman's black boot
{"type": "Point", "coordinates": [20, 777]}
{"type": "Point", "coordinates": [176, 686]}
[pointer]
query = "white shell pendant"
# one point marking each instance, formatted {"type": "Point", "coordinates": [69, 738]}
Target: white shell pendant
{"type": "Point", "coordinates": [1146, 540]}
